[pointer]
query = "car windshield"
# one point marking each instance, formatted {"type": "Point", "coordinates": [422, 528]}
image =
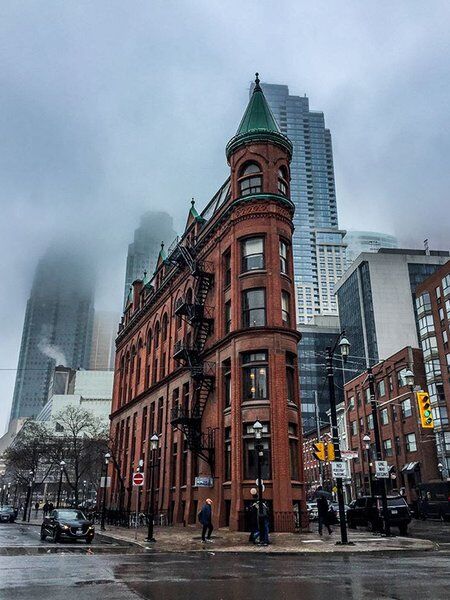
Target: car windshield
{"type": "Point", "coordinates": [71, 515]}
{"type": "Point", "coordinates": [7, 508]}
{"type": "Point", "coordinates": [396, 502]}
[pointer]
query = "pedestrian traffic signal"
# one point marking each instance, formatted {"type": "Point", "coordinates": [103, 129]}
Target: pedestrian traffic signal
{"type": "Point", "coordinates": [319, 450]}
{"type": "Point", "coordinates": [426, 416]}
{"type": "Point", "coordinates": [330, 451]}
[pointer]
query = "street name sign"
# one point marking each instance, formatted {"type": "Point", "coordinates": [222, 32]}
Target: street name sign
{"type": "Point", "coordinates": [138, 479]}
{"type": "Point", "coordinates": [207, 482]}
{"type": "Point", "coordinates": [338, 469]}
{"type": "Point", "coordinates": [381, 469]}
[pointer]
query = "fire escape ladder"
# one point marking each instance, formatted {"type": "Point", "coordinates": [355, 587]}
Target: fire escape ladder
{"type": "Point", "coordinates": [200, 317]}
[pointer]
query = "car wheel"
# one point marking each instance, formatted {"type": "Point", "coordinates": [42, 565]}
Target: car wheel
{"type": "Point", "coordinates": [351, 525]}
{"type": "Point", "coordinates": [89, 539]}
{"type": "Point", "coordinates": [43, 535]}
{"type": "Point", "coordinates": [55, 536]}
{"type": "Point", "coordinates": [403, 529]}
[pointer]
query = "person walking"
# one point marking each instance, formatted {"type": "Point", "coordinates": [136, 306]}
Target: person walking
{"type": "Point", "coordinates": [205, 518]}
{"type": "Point", "coordinates": [36, 508]}
{"type": "Point", "coordinates": [322, 513]}
{"type": "Point", "coordinates": [45, 508]}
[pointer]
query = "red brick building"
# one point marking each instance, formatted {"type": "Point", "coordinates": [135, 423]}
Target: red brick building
{"type": "Point", "coordinates": [408, 449]}
{"type": "Point", "coordinates": [316, 473]}
{"type": "Point", "coordinates": [433, 313]}
{"type": "Point", "coordinates": [209, 345]}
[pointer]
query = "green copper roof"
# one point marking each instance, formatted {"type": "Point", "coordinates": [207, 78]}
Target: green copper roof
{"type": "Point", "coordinates": [258, 115]}
{"type": "Point", "coordinates": [194, 213]}
{"type": "Point", "coordinates": [258, 124]}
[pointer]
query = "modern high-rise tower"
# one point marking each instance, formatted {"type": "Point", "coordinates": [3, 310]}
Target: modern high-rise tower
{"type": "Point", "coordinates": [103, 341]}
{"type": "Point", "coordinates": [318, 249]}
{"type": "Point", "coordinates": [57, 328]}
{"type": "Point", "coordinates": [154, 228]}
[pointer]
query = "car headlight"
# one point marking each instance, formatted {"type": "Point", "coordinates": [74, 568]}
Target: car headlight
{"type": "Point", "coordinates": [91, 527]}
{"type": "Point", "coordinates": [65, 527]}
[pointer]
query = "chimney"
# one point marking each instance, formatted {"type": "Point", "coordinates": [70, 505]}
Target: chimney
{"type": "Point", "coordinates": [138, 284]}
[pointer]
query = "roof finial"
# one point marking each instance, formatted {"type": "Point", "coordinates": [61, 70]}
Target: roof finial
{"type": "Point", "coordinates": [145, 273]}
{"type": "Point", "coordinates": [162, 245]}
{"type": "Point", "coordinates": [192, 202]}
{"type": "Point", "coordinates": [257, 87]}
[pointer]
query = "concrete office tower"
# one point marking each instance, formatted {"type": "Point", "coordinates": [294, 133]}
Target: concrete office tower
{"type": "Point", "coordinates": [367, 241]}
{"type": "Point", "coordinates": [103, 341]}
{"type": "Point", "coordinates": [154, 228]}
{"type": "Point", "coordinates": [377, 302]}
{"type": "Point", "coordinates": [57, 328]}
{"type": "Point", "coordinates": [319, 253]}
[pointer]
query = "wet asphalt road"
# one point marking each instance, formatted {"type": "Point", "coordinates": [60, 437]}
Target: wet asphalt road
{"type": "Point", "coordinates": [210, 576]}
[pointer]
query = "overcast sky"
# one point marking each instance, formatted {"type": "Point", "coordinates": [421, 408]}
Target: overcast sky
{"type": "Point", "coordinates": [109, 108]}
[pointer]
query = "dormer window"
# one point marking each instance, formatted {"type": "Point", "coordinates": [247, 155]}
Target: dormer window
{"type": "Point", "coordinates": [282, 181]}
{"type": "Point", "coordinates": [250, 179]}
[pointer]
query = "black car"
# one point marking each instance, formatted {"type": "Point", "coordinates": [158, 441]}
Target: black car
{"type": "Point", "coordinates": [368, 511]}
{"type": "Point", "coordinates": [434, 500]}
{"type": "Point", "coordinates": [7, 514]}
{"type": "Point", "coordinates": [67, 523]}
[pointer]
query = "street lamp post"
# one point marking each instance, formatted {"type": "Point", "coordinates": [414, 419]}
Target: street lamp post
{"type": "Point", "coordinates": [366, 440]}
{"type": "Point", "coordinates": [62, 464]}
{"type": "Point", "coordinates": [103, 479]}
{"type": "Point", "coordinates": [344, 346]}
{"type": "Point", "coordinates": [154, 441]}
{"type": "Point", "coordinates": [257, 431]}
{"type": "Point", "coordinates": [3, 493]}
{"type": "Point", "coordinates": [84, 493]}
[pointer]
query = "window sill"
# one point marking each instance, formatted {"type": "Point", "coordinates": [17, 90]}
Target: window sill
{"type": "Point", "coordinates": [253, 403]}
{"type": "Point", "coordinates": [254, 272]}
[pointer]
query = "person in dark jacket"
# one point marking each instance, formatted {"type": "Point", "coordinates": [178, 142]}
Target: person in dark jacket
{"type": "Point", "coordinates": [322, 513]}
{"type": "Point", "coordinates": [205, 518]}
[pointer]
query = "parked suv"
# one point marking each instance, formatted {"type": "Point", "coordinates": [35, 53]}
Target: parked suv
{"type": "Point", "coordinates": [368, 511]}
{"type": "Point", "coordinates": [67, 523]}
{"type": "Point", "coordinates": [7, 514]}
{"type": "Point", "coordinates": [434, 500]}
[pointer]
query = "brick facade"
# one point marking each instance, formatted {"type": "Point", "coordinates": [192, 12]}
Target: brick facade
{"type": "Point", "coordinates": [193, 365]}
{"type": "Point", "coordinates": [408, 449]}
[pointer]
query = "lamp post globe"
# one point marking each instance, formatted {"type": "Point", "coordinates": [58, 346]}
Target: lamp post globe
{"type": "Point", "coordinates": [366, 440]}
{"type": "Point", "coordinates": [344, 346]}
{"type": "Point", "coordinates": [409, 378]}
{"type": "Point", "coordinates": [154, 442]}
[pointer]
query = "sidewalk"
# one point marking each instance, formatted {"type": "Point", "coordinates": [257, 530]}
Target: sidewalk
{"type": "Point", "coordinates": [188, 539]}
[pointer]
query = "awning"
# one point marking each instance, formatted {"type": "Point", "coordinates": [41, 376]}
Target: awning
{"type": "Point", "coordinates": [409, 467]}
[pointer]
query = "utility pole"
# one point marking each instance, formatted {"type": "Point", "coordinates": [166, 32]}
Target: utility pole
{"type": "Point", "coordinates": [376, 431]}
{"type": "Point", "coordinates": [316, 405]}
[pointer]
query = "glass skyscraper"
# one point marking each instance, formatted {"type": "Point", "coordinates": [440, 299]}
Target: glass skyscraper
{"type": "Point", "coordinates": [154, 228]}
{"type": "Point", "coordinates": [57, 328]}
{"type": "Point", "coordinates": [318, 249]}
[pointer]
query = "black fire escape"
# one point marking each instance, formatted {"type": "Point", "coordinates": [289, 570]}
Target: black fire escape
{"type": "Point", "coordinates": [189, 352]}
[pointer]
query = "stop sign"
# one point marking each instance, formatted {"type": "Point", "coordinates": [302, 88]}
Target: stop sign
{"type": "Point", "coordinates": [138, 479]}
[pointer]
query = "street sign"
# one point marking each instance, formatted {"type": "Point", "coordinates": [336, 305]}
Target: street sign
{"type": "Point", "coordinates": [381, 469]}
{"type": "Point", "coordinates": [105, 482]}
{"type": "Point", "coordinates": [138, 479]}
{"type": "Point", "coordinates": [207, 482]}
{"type": "Point", "coordinates": [349, 454]}
{"type": "Point", "coordinates": [338, 469]}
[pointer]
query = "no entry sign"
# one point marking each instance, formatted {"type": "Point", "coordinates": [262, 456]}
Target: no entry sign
{"type": "Point", "coordinates": [138, 479]}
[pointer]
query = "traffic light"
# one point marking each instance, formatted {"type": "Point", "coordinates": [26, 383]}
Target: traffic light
{"type": "Point", "coordinates": [426, 416]}
{"type": "Point", "coordinates": [330, 451]}
{"type": "Point", "coordinates": [319, 450]}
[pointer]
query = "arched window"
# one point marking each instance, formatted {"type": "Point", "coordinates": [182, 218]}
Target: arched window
{"type": "Point", "coordinates": [250, 179]}
{"type": "Point", "coordinates": [149, 341]}
{"type": "Point", "coordinates": [157, 332]}
{"type": "Point", "coordinates": [282, 181]}
{"type": "Point", "coordinates": [189, 296]}
{"type": "Point", "coordinates": [165, 323]}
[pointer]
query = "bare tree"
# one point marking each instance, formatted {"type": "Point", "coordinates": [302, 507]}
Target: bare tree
{"type": "Point", "coordinates": [82, 441]}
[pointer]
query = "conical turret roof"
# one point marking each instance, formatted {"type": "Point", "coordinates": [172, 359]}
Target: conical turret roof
{"type": "Point", "coordinates": [258, 123]}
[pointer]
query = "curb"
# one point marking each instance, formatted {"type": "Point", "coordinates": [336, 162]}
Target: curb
{"type": "Point", "coordinates": [420, 546]}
